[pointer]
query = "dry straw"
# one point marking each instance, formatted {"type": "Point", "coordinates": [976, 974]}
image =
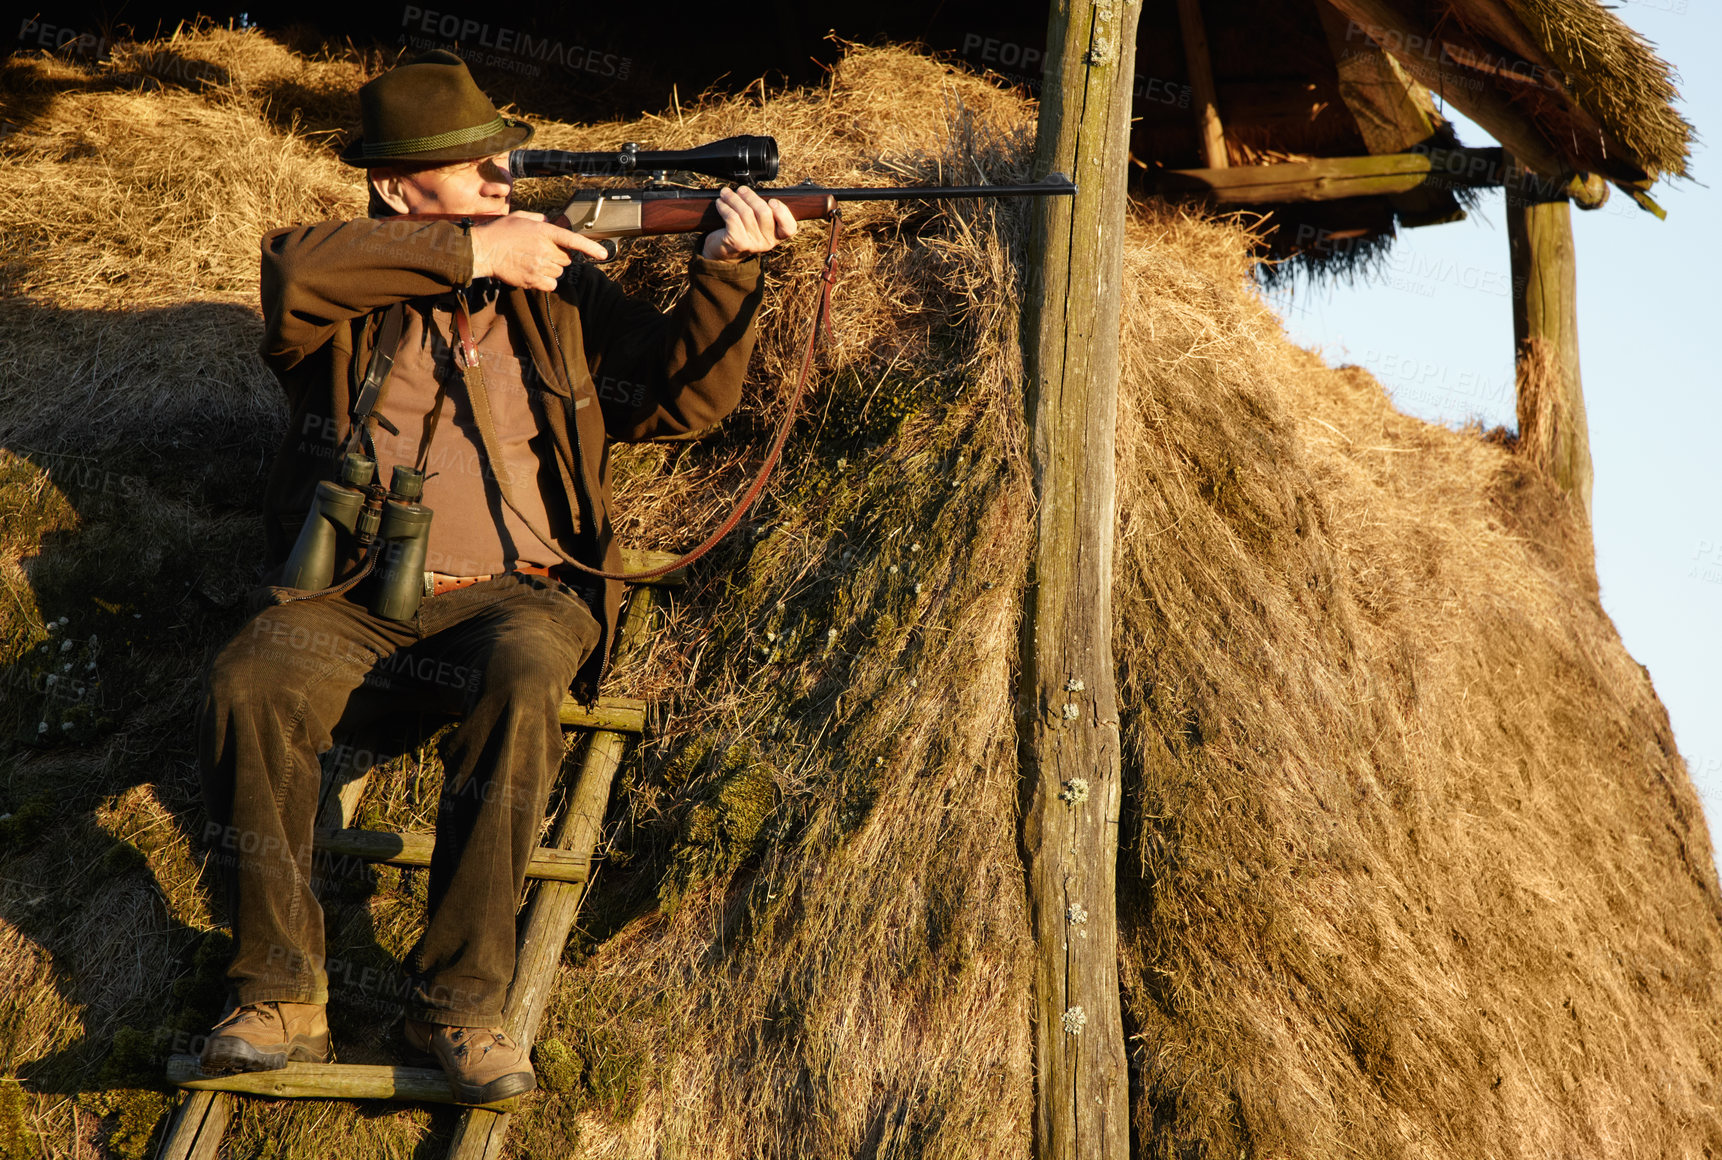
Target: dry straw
{"type": "Point", "coordinates": [1613, 72]}
{"type": "Point", "coordinates": [1410, 864]}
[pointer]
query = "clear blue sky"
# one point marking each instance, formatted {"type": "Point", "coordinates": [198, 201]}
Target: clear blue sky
{"type": "Point", "coordinates": [1436, 328]}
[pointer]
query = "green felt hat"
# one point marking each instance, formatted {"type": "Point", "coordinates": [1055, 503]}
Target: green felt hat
{"type": "Point", "coordinates": [430, 109]}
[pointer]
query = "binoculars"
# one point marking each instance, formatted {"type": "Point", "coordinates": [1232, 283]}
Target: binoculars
{"type": "Point", "coordinates": [354, 511]}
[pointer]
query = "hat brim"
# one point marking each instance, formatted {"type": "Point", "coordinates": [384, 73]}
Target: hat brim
{"type": "Point", "coordinates": [516, 134]}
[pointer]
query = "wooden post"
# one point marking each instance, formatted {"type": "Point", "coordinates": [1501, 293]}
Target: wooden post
{"type": "Point", "coordinates": [1201, 68]}
{"type": "Point", "coordinates": [1068, 696]}
{"type": "Point", "coordinates": [1552, 426]}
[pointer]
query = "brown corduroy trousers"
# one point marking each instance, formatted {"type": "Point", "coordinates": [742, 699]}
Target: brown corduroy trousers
{"type": "Point", "coordinates": [501, 654]}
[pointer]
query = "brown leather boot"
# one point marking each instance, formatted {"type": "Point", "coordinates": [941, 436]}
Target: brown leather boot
{"type": "Point", "coordinates": [483, 1064]}
{"type": "Point", "coordinates": [264, 1036]}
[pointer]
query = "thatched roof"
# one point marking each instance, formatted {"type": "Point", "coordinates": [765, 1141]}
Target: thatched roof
{"type": "Point", "coordinates": [1608, 105]}
{"type": "Point", "coordinates": [1567, 81]}
{"type": "Point", "coordinates": [1411, 864]}
{"type": "Point", "coordinates": [1565, 85]}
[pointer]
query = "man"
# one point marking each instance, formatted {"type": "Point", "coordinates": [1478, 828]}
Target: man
{"type": "Point", "coordinates": [566, 361]}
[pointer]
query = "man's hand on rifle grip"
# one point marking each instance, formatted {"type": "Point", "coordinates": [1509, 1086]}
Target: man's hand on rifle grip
{"type": "Point", "coordinates": [522, 249]}
{"type": "Point", "coordinates": [751, 226]}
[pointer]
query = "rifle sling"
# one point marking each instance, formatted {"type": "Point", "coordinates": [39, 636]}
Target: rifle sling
{"type": "Point", "coordinates": [466, 357]}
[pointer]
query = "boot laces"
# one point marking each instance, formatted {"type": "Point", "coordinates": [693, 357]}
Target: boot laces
{"type": "Point", "coordinates": [463, 1036]}
{"type": "Point", "coordinates": [245, 1013]}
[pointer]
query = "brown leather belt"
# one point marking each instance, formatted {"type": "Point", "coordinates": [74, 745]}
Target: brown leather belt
{"type": "Point", "coordinates": [440, 583]}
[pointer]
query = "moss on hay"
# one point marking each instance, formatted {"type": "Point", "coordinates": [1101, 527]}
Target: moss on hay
{"type": "Point", "coordinates": [130, 1119]}
{"type": "Point", "coordinates": [722, 832]}
{"type": "Point", "coordinates": [17, 1140]}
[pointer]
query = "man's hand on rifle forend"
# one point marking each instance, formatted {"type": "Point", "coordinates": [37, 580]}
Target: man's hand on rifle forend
{"type": "Point", "coordinates": [751, 225]}
{"type": "Point", "coordinates": [522, 249]}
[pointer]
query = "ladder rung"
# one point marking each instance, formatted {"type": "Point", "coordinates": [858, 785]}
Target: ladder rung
{"type": "Point", "coordinates": [617, 714]}
{"type": "Point", "coordinates": [343, 1081]}
{"type": "Point", "coordinates": [637, 560]}
{"type": "Point", "coordinates": [414, 849]}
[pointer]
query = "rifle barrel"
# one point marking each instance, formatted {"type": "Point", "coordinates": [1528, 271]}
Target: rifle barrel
{"type": "Point", "coordinates": [1058, 187]}
{"type": "Point", "coordinates": [1055, 186]}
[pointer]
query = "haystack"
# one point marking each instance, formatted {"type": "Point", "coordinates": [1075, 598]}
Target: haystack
{"type": "Point", "coordinates": [1411, 864]}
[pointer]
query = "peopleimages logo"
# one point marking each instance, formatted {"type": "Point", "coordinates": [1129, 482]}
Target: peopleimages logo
{"type": "Point", "coordinates": [1707, 562]}
{"type": "Point", "coordinates": [1003, 56]}
{"type": "Point", "coordinates": [33, 33]}
{"type": "Point", "coordinates": [508, 48]}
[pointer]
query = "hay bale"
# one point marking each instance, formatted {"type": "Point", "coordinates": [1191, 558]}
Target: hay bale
{"type": "Point", "coordinates": [1411, 865]}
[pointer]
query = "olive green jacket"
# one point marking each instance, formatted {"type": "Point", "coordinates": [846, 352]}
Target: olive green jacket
{"type": "Point", "coordinates": [616, 367]}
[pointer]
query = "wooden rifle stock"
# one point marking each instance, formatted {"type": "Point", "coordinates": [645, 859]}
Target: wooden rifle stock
{"type": "Point", "coordinates": [684, 215]}
{"type": "Point", "coordinates": [628, 213]}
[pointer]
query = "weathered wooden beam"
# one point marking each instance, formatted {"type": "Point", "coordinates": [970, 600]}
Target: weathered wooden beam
{"type": "Point", "coordinates": [1202, 91]}
{"type": "Point", "coordinates": [1068, 693]}
{"type": "Point", "coordinates": [411, 848]}
{"type": "Point", "coordinates": [1553, 430]}
{"type": "Point", "coordinates": [618, 714]}
{"type": "Point", "coordinates": [1332, 178]}
{"type": "Point", "coordinates": [1393, 113]}
{"type": "Point", "coordinates": [327, 1081]}
{"type": "Point", "coordinates": [1381, 98]}
{"type": "Point", "coordinates": [1425, 57]}
{"type": "Point", "coordinates": [197, 1127]}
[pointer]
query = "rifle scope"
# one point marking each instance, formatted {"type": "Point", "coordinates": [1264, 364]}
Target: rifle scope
{"type": "Point", "coordinates": [740, 159]}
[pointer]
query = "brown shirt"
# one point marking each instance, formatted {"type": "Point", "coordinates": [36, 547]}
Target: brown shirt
{"type": "Point", "coordinates": [616, 367]}
{"type": "Point", "coordinates": [473, 532]}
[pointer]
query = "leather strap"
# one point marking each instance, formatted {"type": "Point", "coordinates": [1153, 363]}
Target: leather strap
{"type": "Point", "coordinates": [370, 391]}
{"type": "Point", "coordinates": [466, 357]}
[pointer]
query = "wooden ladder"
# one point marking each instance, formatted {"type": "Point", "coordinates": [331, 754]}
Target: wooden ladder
{"type": "Point", "coordinates": [562, 868]}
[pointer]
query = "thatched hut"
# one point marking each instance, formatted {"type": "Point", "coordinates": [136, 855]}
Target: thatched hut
{"type": "Point", "coordinates": [1410, 865]}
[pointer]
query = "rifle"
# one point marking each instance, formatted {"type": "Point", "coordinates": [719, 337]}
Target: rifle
{"type": "Point", "coordinates": [663, 208]}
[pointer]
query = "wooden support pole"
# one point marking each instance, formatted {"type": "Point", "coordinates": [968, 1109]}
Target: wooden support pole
{"type": "Point", "coordinates": [1425, 60]}
{"type": "Point", "coordinates": [1553, 430]}
{"type": "Point", "coordinates": [1068, 705]}
{"type": "Point", "coordinates": [1201, 68]}
{"type": "Point", "coordinates": [198, 1125]}
{"type": "Point", "coordinates": [641, 560]}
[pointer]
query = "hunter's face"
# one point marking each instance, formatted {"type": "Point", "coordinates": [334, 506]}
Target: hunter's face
{"type": "Point", "coordinates": [480, 186]}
